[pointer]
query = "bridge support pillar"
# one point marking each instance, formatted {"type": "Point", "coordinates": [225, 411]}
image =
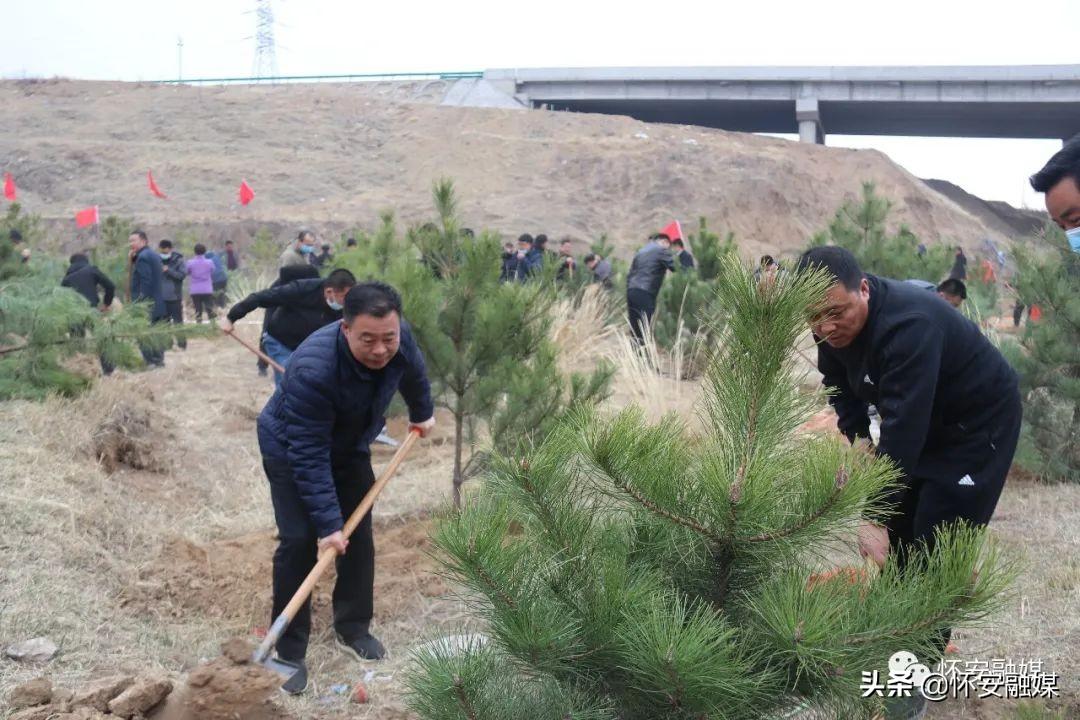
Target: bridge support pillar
{"type": "Point", "coordinates": [809, 117]}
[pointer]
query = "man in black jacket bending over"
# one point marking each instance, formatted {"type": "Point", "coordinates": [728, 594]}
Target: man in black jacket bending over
{"type": "Point", "coordinates": [299, 308]}
{"type": "Point", "coordinates": [949, 402]}
{"type": "Point", "coordinates": [315, 435]}
{"type": "Point", "coordinates": [643, 282]}
{"type": "Point", "coordinates": [85, 279]}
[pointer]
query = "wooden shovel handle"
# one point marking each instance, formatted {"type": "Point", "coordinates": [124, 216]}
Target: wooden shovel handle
{"type": "Point", "coordinates": [265, 358]}
{"type": "Point", "coordinates": [329, 555]}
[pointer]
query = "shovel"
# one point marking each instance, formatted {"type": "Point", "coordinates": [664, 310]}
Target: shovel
{"type": "Point", "coordinates": [326, 559]}
{"type": "Point", "coordinates": [263, 356]}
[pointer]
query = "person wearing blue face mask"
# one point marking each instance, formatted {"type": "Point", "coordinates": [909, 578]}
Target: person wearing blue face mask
{"type": "Point", "coordinates": [298, 309]}
{"type": "Point", "coordinates": [1060, 181]}
{"type": "Point", "coordinates": [301, 251]}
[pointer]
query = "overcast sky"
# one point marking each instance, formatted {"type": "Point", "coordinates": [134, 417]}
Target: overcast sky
{"type": "Point", "coordinates": [136, 40]}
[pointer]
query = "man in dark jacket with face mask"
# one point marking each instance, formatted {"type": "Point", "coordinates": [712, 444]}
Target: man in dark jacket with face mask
{"type": "Point", "coordinates": [643, 282]}
{"type": "Point", "coordinates": [315, 435]}
{"type": "Point", "coordinates": [172, 286]}
{"type": "Point", "coordinates": [299, 308]}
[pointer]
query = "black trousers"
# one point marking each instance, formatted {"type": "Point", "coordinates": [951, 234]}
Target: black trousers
{"type": "Point", "coordinates": [151, 355]}
{"type": "Point", "coordinates": [297, 552]}
{"type": "Point", "coordinates": [219, 292]}
{"type": "Point", "coordinates": [969, 493]}
{"type": "Point", "coordinates": [174, 313]}
{"type": "Point", "coordinates": [203, 303]}
{"type": "Point", "coordinates": [640, 306]}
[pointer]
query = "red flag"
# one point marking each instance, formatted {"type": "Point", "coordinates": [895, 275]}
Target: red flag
{"type": "Point", "coordinates": [673, 230]}
{"type": "Point", "coordinates": [89, 216]}
{"type": "Point", "coordinates": [9, 187]}
{"type": "Point", "coordinates": [153, 185]}
{"type": "Point", "coordinates": [246, 193]}
{"type": "Point", "coordinates": [1035, 313]}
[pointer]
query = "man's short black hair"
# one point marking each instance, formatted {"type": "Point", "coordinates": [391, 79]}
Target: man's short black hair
{"type": "Point", "coordinates": [655, 237]}
{"type": "Point", "coordinates": [78, 258]}
{"type": "Point", "coordinates": [1062, 164]}
{"type": "Point", "coordinates": [303, 234]}
{"type": "Point", "coordinates": [165, 244]}
{"type": "Point", "coordinates": [141, 235]}
{"type": "Point", "coordinates": [837, 261]}
{"type": "Point", "coordinates": [326, 246]}
{"type": "Point", "coordinates": [525, 238]}
{"type": "Point", "coordinates": [340, 279]}
{"type": "Point", "coordinates": [766, 261]}
{"type": "Point", "coordinates": [590, 257]}
{"type": "Point", "coordinates": [289, 273]}
{"type": "Point", "coordinates": [953, 287]}
{"type": "Point", "coordinates": [677, 242]}
{"type": "Point", "coordinates": [467, 232]}
{"type": "Point", "coordinates": [15, 236]}
{"type": "Point", "coordinates": [200, 249]}
{"type": "Point", "coordinates": [351, 242]}
{"type": "Point", "coordinates": [228, 242]}
{"type": "Point", "coordinates": [373, 298]}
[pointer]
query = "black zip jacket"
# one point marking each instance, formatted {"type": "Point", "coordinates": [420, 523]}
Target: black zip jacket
{"type": "Point", "coordinates": [940, 386]}
{"type": "Point", "coordinates": [84, 278]}
{"type": "Point", "coordinates": [298, 309]}
{"type": "Point", "coordinates": [647, 271]}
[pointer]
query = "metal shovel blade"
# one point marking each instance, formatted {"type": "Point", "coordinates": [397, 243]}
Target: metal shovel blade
{"type": "Point", "coordinates": [284, 668]}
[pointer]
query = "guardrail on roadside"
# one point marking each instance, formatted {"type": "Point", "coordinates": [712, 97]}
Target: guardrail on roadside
{"type": "Point", "coordinates": [351, 77]}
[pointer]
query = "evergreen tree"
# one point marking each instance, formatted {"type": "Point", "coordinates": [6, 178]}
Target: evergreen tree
{"type": "Point", "coordinates": [685, 307]}
{"type": "Point", "coordinates": [43, 327]}
{"type": "Point", "coordinates": [625, 570]}
{"type": "Point", "coordinates": [709, 251]}
{"type": "Point", "coordinates": [485, 342]}
{"type": "Point", "coordinates": [28, 226]}
{"type": "Point", "coordinates": [1048, 358]}
{"type": "Point", "coordinates": [860, 228]}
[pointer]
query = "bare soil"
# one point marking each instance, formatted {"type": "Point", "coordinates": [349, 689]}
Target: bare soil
{"type": "Point", "coordinates": [331, 156]}
{"type": "Point", "coordinates": [138, 571]}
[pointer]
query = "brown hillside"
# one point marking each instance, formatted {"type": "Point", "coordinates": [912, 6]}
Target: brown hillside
{"type": "Point", "coordinates": [331, 156]}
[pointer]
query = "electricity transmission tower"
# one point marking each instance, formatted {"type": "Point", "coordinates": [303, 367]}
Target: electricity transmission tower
{"type": "Point", "coordinates": [265, 64]}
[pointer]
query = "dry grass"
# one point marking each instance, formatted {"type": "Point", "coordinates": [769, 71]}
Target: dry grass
{"type": "Point", "coordinates": [99, 561]}
{"type": "Point", "coordinates": [78, 540]}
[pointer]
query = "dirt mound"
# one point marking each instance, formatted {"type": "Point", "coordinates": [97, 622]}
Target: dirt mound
{"type": "Point", "coordinates": [129, 436]}
{"type": "Point", "coordinates": [226, 688]}
{"type": "Point", "coordinates": [516, 170]}
{"type": "Point", "coordinates": [230, 579]}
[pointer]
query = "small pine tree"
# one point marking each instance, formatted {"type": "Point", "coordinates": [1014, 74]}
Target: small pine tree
{"type": "Point", "coordinates": [265, 250]}
{"type": "Point", "coordinates": [44, 326]}
{"type": "Point", "coordinates": [709, 251]}
{"type": "Point", "coordinates": [629, 571]}
{"type": "Point", "coordinates": [860, 228]}
{"type": "Point", "coordinates": [486, 343]}
{"type": "Point", "coordinates": [29, 227]}
{"type": "Point", "coordinates": [685, 307]}
{"type": "Point", "coordinates": [1048, 357]}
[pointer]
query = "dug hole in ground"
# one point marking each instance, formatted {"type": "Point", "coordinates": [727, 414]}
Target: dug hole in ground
{"type": "Point", "coordinates": [144, 563]}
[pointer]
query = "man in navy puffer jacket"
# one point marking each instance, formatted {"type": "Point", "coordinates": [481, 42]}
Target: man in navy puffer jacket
{"type": "Point", "coordinates": [315, 435]}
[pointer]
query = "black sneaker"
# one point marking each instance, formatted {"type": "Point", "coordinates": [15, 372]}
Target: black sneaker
{"type": "Point", "coordinates": [363, 647]}
{"type": "Point", "coordinates": [297, 682]}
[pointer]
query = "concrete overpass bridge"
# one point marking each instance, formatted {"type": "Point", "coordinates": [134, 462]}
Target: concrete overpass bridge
{"type": "Point", "coordinates": [1037, 101]}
